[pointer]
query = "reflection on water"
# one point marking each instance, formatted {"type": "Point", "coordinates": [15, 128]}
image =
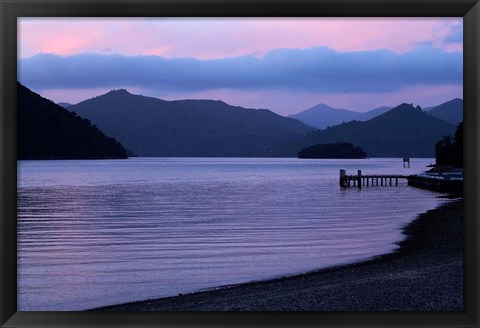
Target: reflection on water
{"type": "Point", "coordinates": [95, 233]}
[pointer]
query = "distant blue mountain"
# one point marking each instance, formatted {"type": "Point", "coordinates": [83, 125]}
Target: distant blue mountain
{"type": "Point", "coordinates": [373, 113]}
{"type": "Point", "coordinates": [404, 131]}
{"type": "Point", "coordinates": [322, 116]}
{"type": "Point", "coordinates": [64, 104]}
{"type": "Point", "coordinates": [450, 111]}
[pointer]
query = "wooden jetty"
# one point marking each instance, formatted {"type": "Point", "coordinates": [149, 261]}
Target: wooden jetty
{"type": "Point", "coordinates": [360, 180]}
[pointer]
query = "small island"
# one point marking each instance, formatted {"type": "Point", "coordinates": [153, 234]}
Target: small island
{"type": "Point", "coordinates": [339, 150]}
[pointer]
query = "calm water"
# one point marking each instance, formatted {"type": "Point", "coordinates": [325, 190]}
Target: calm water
{"type": "Point", "coordinates": [96, 233]}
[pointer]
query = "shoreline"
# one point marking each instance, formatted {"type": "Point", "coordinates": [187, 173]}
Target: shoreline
{"type": "Point", "coordinates": [424, 274]}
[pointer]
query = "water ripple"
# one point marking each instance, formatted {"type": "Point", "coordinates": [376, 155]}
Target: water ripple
{"type": "Point", "coordinates": [93, 233]}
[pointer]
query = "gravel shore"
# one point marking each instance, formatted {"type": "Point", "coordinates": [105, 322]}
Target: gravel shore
{"type": "Point", "coordinates": [424, 274]}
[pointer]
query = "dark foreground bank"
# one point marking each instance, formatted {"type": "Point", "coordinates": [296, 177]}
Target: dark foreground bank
{"type": "Point", "coordinates": [425, 274]}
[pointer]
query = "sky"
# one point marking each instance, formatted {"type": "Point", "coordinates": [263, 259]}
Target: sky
{"type": "Point", "coordinates": [286, 65]}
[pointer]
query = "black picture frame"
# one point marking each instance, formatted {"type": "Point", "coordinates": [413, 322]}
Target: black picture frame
{"type": "Point", "coordinates": [11, 9]}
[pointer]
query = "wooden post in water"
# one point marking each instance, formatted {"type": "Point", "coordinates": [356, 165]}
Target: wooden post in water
{"type": "Point", "coordinates": [359, 173]}
{"type": "Point", "coordinates": [343, 175]}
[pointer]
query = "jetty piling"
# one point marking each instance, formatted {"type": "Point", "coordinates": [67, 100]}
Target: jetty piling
{"type": "Point", "coordinates": [343, 180]}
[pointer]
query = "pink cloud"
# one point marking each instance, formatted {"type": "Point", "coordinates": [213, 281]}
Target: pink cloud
{"type": "Point", "coordinates": [230, 37]}
{"type": "Point", "coordinates": [36, 36]}
{"type": "Point", "coordinates": [227, 37]}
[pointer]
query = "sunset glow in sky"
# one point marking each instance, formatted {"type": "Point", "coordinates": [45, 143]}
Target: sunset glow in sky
{"type": "Point", "coordinates": [284, 64]}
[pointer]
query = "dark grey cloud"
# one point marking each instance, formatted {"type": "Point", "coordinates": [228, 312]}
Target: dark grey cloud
{"type": "Point", "coordinates": [318, 69]}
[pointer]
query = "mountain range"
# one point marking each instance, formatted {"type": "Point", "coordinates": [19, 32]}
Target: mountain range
{"type": "Point", "coordinates": [46, 130]}
{"type": "Point", "coordinates": [322, 116]}
{"type": "Point", "coordinates": [404, 131]}
{"type": "Point", "coordinates": [148, 126]}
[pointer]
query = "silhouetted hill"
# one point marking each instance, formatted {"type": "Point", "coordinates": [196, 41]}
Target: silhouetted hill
{"type": "Point", "coordinates": [402, 131]}
{"type": "Point", "coordinates": [153, 127]}
{"type": "Point", "coordinates": [450, 111]}
{"type": "Point", "coordinates": [336, 150]}
{"type": "Point", "coordinates": [46, 130]}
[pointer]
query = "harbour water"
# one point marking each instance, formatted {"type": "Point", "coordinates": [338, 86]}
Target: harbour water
{"type": "Point", "coordinates": [103, 232]}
